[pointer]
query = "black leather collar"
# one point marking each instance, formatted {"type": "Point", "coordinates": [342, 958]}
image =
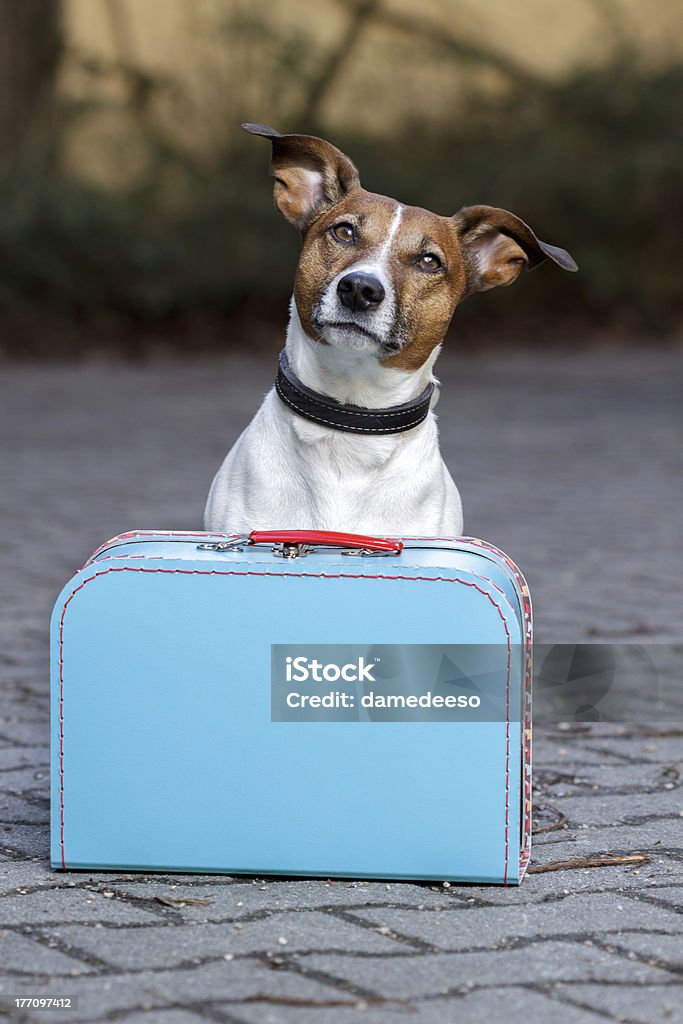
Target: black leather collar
{"type": "Point", "coordinates": [350, 418]}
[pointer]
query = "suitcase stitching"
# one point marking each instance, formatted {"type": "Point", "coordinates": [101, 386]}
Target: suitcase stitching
{"type": "Point", "coordinates": [334, 565]}
{"type": "Point", "coordinates": [220, 572]}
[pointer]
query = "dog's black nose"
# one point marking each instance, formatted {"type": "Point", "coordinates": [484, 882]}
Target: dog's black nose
{"type": "Point", "coordinates": [359, 292]}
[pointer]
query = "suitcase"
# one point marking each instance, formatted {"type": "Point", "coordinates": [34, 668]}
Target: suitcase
{"type": "Point", "coordinates": [293, 703]}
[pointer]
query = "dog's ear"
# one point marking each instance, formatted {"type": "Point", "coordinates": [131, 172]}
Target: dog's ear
{"type": "Point", "coordinates": [497, 245]}
{"type": "Point", "coordinates": [310, 174]}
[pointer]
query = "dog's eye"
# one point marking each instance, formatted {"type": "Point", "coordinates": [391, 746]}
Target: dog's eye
{"type": "Point", "coordinates": [343, 232]}
{"type": "Point", "coordinates": [429, 262]}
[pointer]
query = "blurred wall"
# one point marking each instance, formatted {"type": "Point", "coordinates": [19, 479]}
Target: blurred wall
{"type": "Point", "coordinates": [133, 208]}
{"type": "Point", "coordinates": [226, 58]}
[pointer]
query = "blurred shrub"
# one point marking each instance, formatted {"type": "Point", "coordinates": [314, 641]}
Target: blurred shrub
{"type": "Point", "coordinates": [593, 163]}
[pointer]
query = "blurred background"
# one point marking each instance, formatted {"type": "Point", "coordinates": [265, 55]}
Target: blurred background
{"type": "Point", "coordinates": [135, 216]}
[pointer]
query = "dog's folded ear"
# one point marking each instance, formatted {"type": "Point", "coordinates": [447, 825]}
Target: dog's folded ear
{"type": "Point", "coordinates": [310, 174]}
{"type": "Point", "coordinates": [497, 245]}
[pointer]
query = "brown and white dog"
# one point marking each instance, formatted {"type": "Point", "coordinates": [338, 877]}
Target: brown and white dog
{"type": "Point", "coordinates": [375, 289]}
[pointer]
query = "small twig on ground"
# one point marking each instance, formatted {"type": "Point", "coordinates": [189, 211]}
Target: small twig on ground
{"type": "Point", "coordinates": [182, 901]}
{"type": "Point", "coordinates": [560, 823]}
{"type": "Point", "coordinates": [265, 997]}
{"type": "Point", "coordinates": [601, 860]}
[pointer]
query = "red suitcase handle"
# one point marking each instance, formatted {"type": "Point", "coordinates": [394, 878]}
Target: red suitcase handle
{"type": "Point", "coordinates": [327, 538]}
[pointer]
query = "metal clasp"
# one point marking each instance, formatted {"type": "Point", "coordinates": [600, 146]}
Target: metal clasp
{"type": "Point", "coordinates": [233, 544]}
{"type": "Point", "coordinates": [292, 550]}
{"type": "Point", "coordinates": [369, 552]}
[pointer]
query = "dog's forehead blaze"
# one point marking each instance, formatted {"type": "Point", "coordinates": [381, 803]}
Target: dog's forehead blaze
{"type": "Point", "coordinates": [425, 302]}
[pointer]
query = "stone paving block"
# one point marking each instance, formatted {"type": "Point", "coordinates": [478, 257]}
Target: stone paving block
{"type": "Point", "coordinates": [28, 840]}
{"type": "Point", "coordinates": [15, 874]}
{"type": "Point", "coordinates": [653, 750]}
{"type": "Point", "coordinates": [238, 980]}
{"type": "Point", "coordinates": [19, 702]}
{"type": "Point", "coordinates": [164, 945]}
{"type": "Point", "coordinates": [18, 757]}
{"type": "Point", "coordinates": [25, 956]}
{"type": "Point", "coordinates": [352, 1011]}
{"type": "Point", "coordinates": [665, 949]}
{"type": "Point", "coordinates": [671, 895]}
{"type": "Point", "coordinates": [571, 844]}
{"type": "Point", "coordinates": [660, 874]}
{"type": "Point", "coordinates": [29, 781]}
{"type": "Point", "coordinates": [644, 837]}
{"type": "Point", "coordinates": [15, 809]}
{"type": "Point", "coordinates": [477, 927]}
{"type": "Point", "coordinates": [637, 1004]}
{"type": "Point", "coordinates": [38, 872]}
{"type": "Point", "coordinates": [22, 703]}
{"type": "Point", "coordinates": [81, 905]}
{"type": "Point", "coordinates": [224, 982]}
{"type": "Point", "coordinates": [513, 1005]}
{"type": "Point", "coordinates": [433, 974]}
{"type": "Point", "coordinates": [238, 899]}
{"type": "Point", "coordinates": [105, 879]}
{"type": "Point", "coordinates": [579, 779]}
{"type": "Point", "coordinates": [161, 1017]}
{"type": "Point", "coordinates": [562, 755]}
{"type": "Point", "coordinates": [614, 809]}
{"type": "Point", "coordinates": [18, 732]}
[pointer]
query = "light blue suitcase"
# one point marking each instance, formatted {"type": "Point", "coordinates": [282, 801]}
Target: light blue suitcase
{"type": "Point", "coordinates": [189, 731]}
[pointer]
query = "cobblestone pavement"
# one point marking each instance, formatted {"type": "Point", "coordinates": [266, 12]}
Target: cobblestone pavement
{"type": "Point", "coordinates": [572, 463]}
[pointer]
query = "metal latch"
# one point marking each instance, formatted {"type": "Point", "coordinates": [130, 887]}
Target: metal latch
{"type": "Point", "coordinates": [233, 544]}
{"type": "Point", "coordinates": [292, 550]}
{"type": "Point", "coordinates": [368, 552]}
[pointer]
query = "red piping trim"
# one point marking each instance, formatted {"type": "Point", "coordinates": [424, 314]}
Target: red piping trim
{"type": "Point", "coordinates": [221, 572]}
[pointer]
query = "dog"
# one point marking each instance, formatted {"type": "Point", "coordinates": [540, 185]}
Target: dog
{"type": "Point", "coordinates": [347, 440]}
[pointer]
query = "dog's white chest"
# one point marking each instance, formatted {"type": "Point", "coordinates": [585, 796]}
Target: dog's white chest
{"type": "Point", "coordinates": [289, 473]}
